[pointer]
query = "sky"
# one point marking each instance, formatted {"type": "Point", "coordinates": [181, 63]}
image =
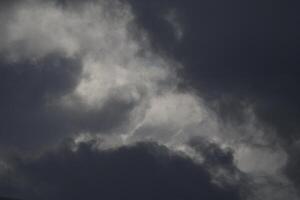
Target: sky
{"type": "Point", "coordinates": [143, 100]}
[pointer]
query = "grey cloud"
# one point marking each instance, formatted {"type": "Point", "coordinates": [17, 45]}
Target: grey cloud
{"type": "Point", "coordinates": [237, 55]}
{"type": "Point", "coordinates": [113, 73]}
{"type": "Point", "coordinates": [26, 88]}
{"type": "Point", "coordinates": [142, 171]}
{"type": "Point", "coordinates": [30, 117]}
{"type": "Point", "coordinates": [292, 169]}
{"type": "Point", "coordinates": [49, 61]}
{"type": "Point", "coordinates": [231, 51]}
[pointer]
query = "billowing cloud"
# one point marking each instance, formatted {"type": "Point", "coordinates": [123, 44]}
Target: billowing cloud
{"type": "Point", "coordinates": [135, 88]}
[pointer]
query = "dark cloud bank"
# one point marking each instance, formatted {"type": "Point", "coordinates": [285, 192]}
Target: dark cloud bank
{"type": "Point", "coordinates": [234, 55]}
{"type": "Point", "coordinates": [243, 49]}
{"type": "Point", "coordinates": [142, 171]}
{"type": "Point", "coordinates": [235, 52]}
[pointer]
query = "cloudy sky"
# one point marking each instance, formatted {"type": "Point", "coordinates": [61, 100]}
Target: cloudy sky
{"type": "Point", "coordinates": [149, 99]}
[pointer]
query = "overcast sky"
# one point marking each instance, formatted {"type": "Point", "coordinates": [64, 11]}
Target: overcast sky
{"type": "Point", "coordinates": [149, 99]}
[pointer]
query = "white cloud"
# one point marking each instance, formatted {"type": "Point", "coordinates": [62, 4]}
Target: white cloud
{"type": "Point", "coordinates": [38, 28]}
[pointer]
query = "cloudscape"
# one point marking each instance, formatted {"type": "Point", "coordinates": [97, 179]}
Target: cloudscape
{"type": "Point", "coordinates": [148, 99]}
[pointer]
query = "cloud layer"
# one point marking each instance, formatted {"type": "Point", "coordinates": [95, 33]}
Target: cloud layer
{"type": "Point", "coordinates": [135, 99]}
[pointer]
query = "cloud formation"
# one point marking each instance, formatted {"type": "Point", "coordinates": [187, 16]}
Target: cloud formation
{"type": "Point", "coordinates": [141, 171]}
{"type": "Point", "coordinates": [93, 90]}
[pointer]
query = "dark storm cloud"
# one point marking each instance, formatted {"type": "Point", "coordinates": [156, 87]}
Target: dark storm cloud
{"type": "Point", "coordinates": [212, 153]}
{"type": "Point", "coordinates": [5, 198]}
{"type": "Point", "coordinates": [30, 118]}
{"type": "Point", "coordinates": [25, 89]}
{"type": "Point", "coordinates": [53, 56]}
{"type": "Point", "coordinates": [236, 53]}
{"type": "Point", "coordinates": [292, 169]}
{"type": "Point", "coordinates": [113, 114]}
{"type": "Point", "coordinates": [83, 70]}
{"type": "Point", "coordinates": [217, 159]}
{"type": "Point", "coordinates": [243, 49]}
{"type": "Point", "coordinates": [143, 171]}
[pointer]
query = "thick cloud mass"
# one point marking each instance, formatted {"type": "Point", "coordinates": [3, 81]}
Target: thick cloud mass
{"type": "Point", "coordinates": [25, 87]}
{"type": "Point", "coordinates": [143, 171]}
{"type": "Point", "coordinates": [141, 99]}
{"type": "Point", "coordinates": [246, 49]}
{"type": "Point", "coordinates": [234, 52]}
